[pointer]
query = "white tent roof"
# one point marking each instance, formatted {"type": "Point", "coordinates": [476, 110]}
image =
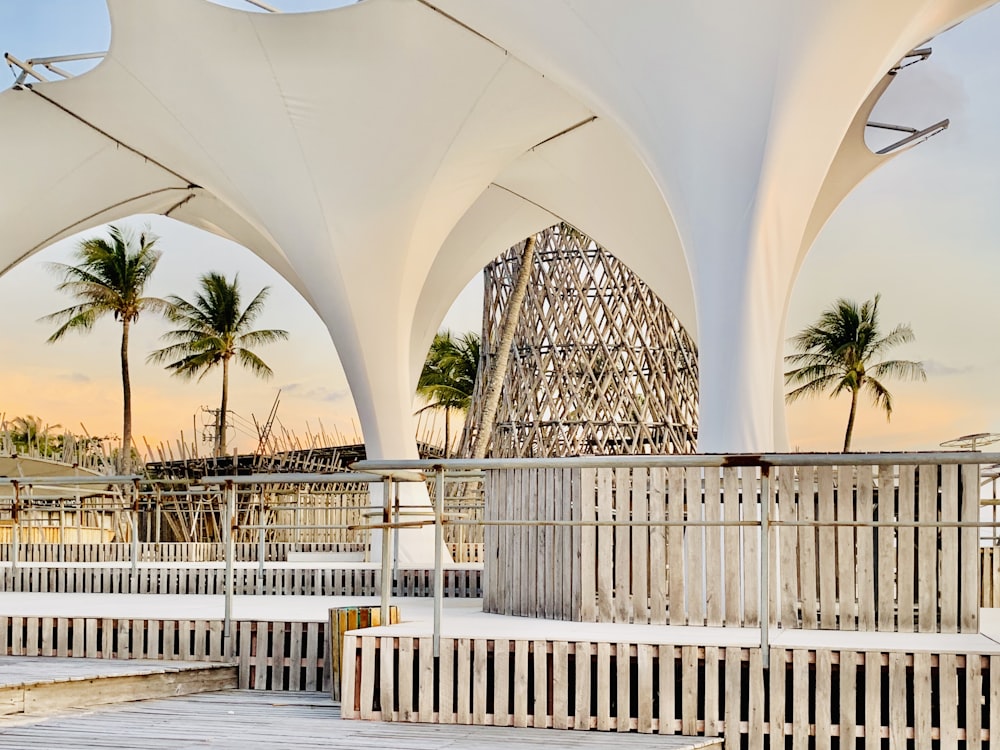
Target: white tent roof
{"type": "Point", "coordinates": [377, 155]}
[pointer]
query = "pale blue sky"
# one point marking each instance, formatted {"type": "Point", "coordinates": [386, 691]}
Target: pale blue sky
{"type": "Point", "coordinates": [922, 231]}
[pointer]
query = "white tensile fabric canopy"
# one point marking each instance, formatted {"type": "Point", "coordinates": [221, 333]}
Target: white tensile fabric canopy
{"type": "Point", "coordinates": [377, 155]}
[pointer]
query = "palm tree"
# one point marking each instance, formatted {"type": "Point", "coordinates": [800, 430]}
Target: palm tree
{"type": "Point", "coordinates": [213, 331]}
{"type": "Point", "coordinates": [110, 278]}
{"type": "Point", "coordinates": [838, 351]}
{"type": "Point", "coordinates": [498, 372]}
{"type": "Point", "coordinates": [449, 376]}
{"type": "Point", "coordinates": [29, 432]}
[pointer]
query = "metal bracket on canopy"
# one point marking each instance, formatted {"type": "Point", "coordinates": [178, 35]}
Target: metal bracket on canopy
{"type": "Point", "coordinates": [913, 134]}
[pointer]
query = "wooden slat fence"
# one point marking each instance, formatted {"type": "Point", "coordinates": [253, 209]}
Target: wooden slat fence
{"type": "Point", "coordinates": [461, 583]}
{"type": "Point", "coordinates": [271, 655]}
{"type": "Point", "coordinates": [166, 551]}
{"type": "Point", "coordinates": [862, 698]}
{"type": "Point", "coordinates": [849, 546]}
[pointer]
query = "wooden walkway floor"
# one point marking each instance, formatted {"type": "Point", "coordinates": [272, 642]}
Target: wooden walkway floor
{"type": "Point", "coordinates": [242, 719]}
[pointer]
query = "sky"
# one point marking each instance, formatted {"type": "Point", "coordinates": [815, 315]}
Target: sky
{"type": "Point", "coordinates": [922, 231]}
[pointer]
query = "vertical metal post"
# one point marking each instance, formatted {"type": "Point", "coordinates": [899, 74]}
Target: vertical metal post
{"type": "Point", "coordinates": [387, 493]}
{"type": "Point", "coordinates": [765, 563]}
{"type": "Point", "coordinates": [261, 536]}
{"type": "Point", "coordinates": [135, 534]}
{"type": "Point", "coordinates": [228, 529]}
{"type": "Point", "coordinates": [438, 558]}
{"type": "Point", "coordinates": [15, 527]}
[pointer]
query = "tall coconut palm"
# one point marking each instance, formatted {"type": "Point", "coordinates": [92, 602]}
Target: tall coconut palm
{"type": "Point", "coordinates": [839, 351]}
{"type": "Point", "coordinates": [213, 331]}
{"type": "Point", "coordinates": [496, 375]}
{"type": "Point", "coordinates": [109, 279]}
{"type": "Point", "coordinates": [449, 376]}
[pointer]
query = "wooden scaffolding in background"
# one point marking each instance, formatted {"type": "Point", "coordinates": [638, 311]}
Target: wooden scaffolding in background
{"type": "Point", "coordinates": [599, 364]}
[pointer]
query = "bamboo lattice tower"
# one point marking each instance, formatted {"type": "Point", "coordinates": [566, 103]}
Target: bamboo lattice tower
{"type": "Point", "coordinates": [599, 364]}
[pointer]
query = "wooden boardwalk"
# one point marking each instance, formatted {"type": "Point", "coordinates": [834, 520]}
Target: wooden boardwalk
{"type": "Point", "coordinates": [242, 719]}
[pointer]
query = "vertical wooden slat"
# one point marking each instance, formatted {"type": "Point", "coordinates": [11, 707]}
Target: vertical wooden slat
{"type": "Point", "coordinates": [973, 702]}
{"type": "Point", "coordinates": [777, 691]}
{"type": "Point", "coordinates": [425, 681]}
{"type": "Point", "coordinates": [405, 681]}
{"type": "Point", "coordinates": [947, 696]}
{"type": "Point", "coordinates": [446, 682]}
{"type": "Point", "coordinates": [905, 549]}
{"type": "Point", "coordinates": [387, 676]}
{"type": "Point", "coordinates": [588, 545]}
{"type": "Point", "coordinates": [480, 686]}
{"type": "Point", "coordinates": [788, 558]}
{"type": "Point", "coordinates": [807, 548]}
{"type": "Point", "coordinates": [560, 685]}
{"type": "Point", "coordinates": [712, 728]}
{"type": "Point", "coordinates": [927, 551]}
{"type": "Point", "coordinates": [644, 687]}
{"type": "Point", "coordinates": [714, 585]}
{"type": "Point", "coordinates": [640, 546]}
{"type": "Point", "coordinates": [463, 709]}
{"type": "Point", "coordinates": [734, 699]}
{"type": "Point", "coordinates": [886, 536]}
{"type": "Point", "coordinates": [689, 690]}
{"type": "Point", "coordinates": [548, 571]}
{"type": "Point", "coordinates": [750, 485]}
{"type": "Point", "coordinates": [367, 677]}
{"type": "Point", "coordinates": [732, 569]}
{"type": "Point", "coordinates": [348, 709]}
{"type": "Point", "coordinates": [605, 548]}
{"type": "Point", "coordinates": [800, 708]}
{"type": "Point", "coordinates": [658, 545]}
{"type": "Point", "coordinates": [848, 719]}
{"type": "Point", "coordinates": [865, 551]}
{"type": "Point", "coordinates": [823, 698]}
{"type": "Point", "coordinates": [623, 546]}
{"type": "Point", "coordinates": [603, 687]}
{"type": "Point", "coordinates": [581, 702]}
{"type": "Point", "coordinates": [501, 682]}
{"type": "Point", "coordinates": [921, 698]}
{"type": "Point", "coordinates": [623, 685]}
{"type": "Point", "coordinates": [994, 702]}
{"type": "Point", "coordinates": [827, 554]}
{"type": "Point", "coordinates": [873, 708]}
{"type": "Point", "coordinates": [846, 549]}
{"type": "Point", "coordinates": [969, 555]}
{"type": "Point", "coordinates": [529, 535]}
{"type": "Point", "coordinates": [668, 690]}
{"type": "Point", "coordinates": [571, 543]}
{"type": "Point", "coordinates": [948, 569]}
{"type": "Point", "coordinates": [694, 536]}
{"type": "Point", "coordinates": [755, 698]}
{"type": "Point", "coordinates": [520, 683]}
{"type": "Point", "coordinates": [677, 590]}
{"type": "Point", "coordinates": [539, 708]}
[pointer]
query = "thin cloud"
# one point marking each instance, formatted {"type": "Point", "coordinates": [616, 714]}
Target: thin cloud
{"type": "Point", "coordinates": [934, 368]}
{"type": "Point", "coordinates": [73, 377]}
{"type": "Point", "coordinates": [315, 393]}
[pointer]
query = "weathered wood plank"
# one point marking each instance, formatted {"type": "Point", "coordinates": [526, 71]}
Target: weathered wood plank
{"type": "Point", "coordinates": [905, 549]}
{"type": "Point", "coordinates": [865, 551]}
{"type": "Point", "coordinates": [668, 690]}
{"type": "Point", "coordinates": [695, 547]}
{"type": "Point", "coordinates": [588, 545]}
{"type": "Point", "coordinates": [605, 548]}
{"type": "Point", "coordinates": [921, 699]}
{"type": "Point", "coordinates": [623, 546]}
{"type": "Point", "coordinates": [927, 550]}
{"type": "Point", "coordinates": [640, 546]}
{"type": "Point", "coordinates": [948, 569]}
{"type": "Point", "coordinates": [581, 702]}
{"type": "Point", "coordinates": [788, 559]}
{"type": "Point", "coordinates": [807, 548]}
{"type": "Point", "coordinates": [873, 708]}
{"type": "Point", "coordinates": [827, 553]}
{"type": "Point", "coordinates": [658, 571]}
{"type": "Point", "coordinates": [677, 589]}
{"type": "Point", "coordinates": [714, 584]}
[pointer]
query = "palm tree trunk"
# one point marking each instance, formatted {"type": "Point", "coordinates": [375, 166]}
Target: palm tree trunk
{"type": "Point", "coordinates": [220, 449]}
{"type": "Point", "coordinates": [511, 317]}
{"type": "Point", "coordinates": [850, 420]}
{"type": "Point", "coordinates": [447, 430]}
{"type": "Point", "coordinates": [125, 454]}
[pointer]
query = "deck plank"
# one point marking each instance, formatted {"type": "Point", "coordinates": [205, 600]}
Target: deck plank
{"type": "Point", "coordinates": [302, 720]}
